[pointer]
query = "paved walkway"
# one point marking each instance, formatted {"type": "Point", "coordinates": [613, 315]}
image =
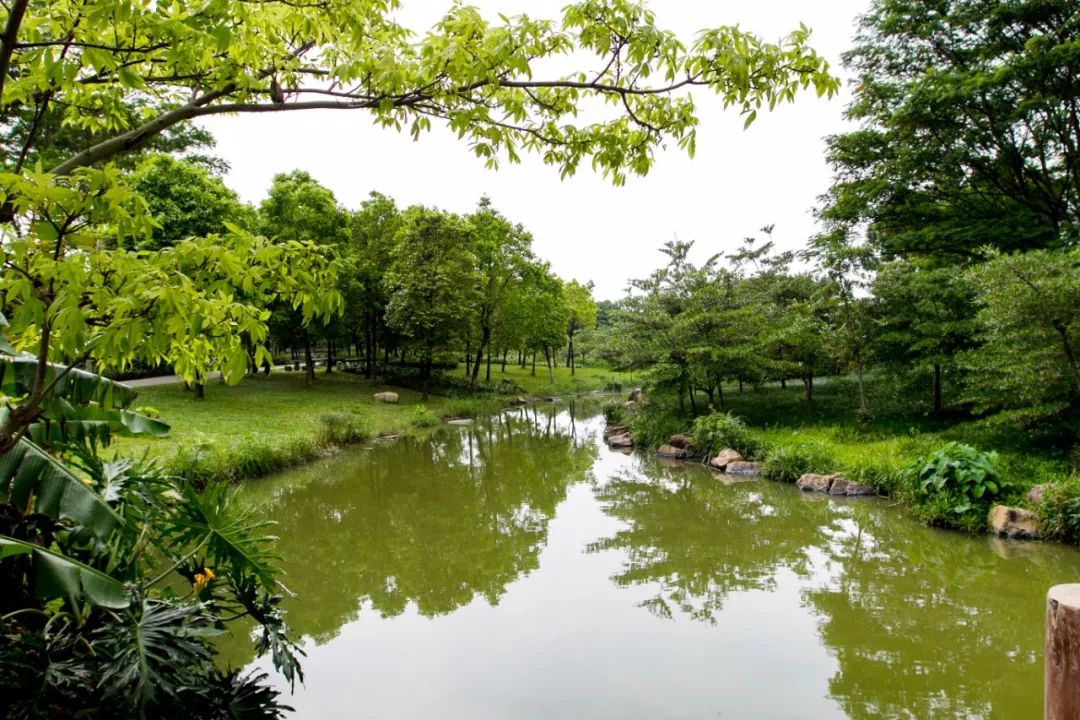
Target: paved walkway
{"type": "Point", "coordinates": [164, 380]}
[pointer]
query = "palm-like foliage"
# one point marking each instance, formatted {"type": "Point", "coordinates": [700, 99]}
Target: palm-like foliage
{"type": "Point", "coordinates": [92, 621]}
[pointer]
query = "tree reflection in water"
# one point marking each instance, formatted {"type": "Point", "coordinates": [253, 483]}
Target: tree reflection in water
{"type": "Point", "coordinates": [923, 623]}
{"type": "Point", "coordinates": [434, 521]}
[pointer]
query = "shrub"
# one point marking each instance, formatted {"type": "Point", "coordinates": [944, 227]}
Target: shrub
{"type": "Point", "coordinates": [653, 425]}
{"type": "Point", "coordinates": [719, 431]}
{"type": "Point", "coordinates": [1060, 511]}
{"type": "Point", "coordinates": [340, 428]}
{"type": "Point", "coordinates": [422, 417]}
{"type": "Point", "coordinates": [954, 485]}
{"type": "Point", "coordinates": [787, 463]}
{"type": "Point", "coordinates": [614, 413]}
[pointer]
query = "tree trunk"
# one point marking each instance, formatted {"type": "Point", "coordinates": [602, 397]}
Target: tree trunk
{"type": "Point", "coordinates": [468, 360]}
{"type": "Point", "coordinates": [425, 370]}
{"type": "Point", "coordinates": [330, 350]}
{"type": "Point", "coordinates": [571, 358]}
{"type": "Point", "coordinates": [720, 393]}
{"type": "Point", "coordinates": [485, 339]}
{"type": "Point", "coordinates": [808, 385]}
{"type": "Point", "coordinates": [693, 402]}
{"type": "Point", "coordinates": [740, 386]}
{"type": "Point", "coordinates": [937, 390]}
{"type": "Point", "coordinates": [505, 353]}
{"type": "Point", "coordinates": [534, 364]}
{"type": "Point", "coordinates": [308, 360]}
{"type": "Point", "coordinates": [200, 390]}
{"type": "Point", "coordinates": [487, 373]}
{"type": "Point", "coordinates": [783, 383]}
{"type": "Point", "coordinates": [548, 360]}
{"type": "Point", "coordinates": [864, 411]}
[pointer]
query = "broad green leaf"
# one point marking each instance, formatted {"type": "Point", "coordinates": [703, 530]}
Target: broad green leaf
{"type": "Point", "coordinates": [56, 575]}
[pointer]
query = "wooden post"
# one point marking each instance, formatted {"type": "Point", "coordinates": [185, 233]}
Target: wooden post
{"type": "Point", "coordinates": [1062, 688]}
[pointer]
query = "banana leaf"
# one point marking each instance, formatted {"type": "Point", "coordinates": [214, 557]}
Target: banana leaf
{"type": "Point", "coordinates": [56, 575]}
{"type": "Point", "coordinates": [28, 475]}
{"type": "Point", "coordinates": [18, 373]}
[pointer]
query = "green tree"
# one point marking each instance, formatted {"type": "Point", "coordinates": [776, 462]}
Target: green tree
{"type": "Point", "coordinates": [926, 319]}
{"type": "Point", "coordinates": [185, 201]}
{"type": "Point", "coordinates": [501, 251]}
{"type": "Point", "coordinates": [582, 307]}
{"type": "Point", "coordinates": [298, 208]}
{"type": "Point", "coordinates": [372, 230]}
{"type": "Point", "coordinates": [432, 281]}
{"type": "Point", "coordinates": [1029, 360]}
{"type": "Point", "coordinates": [968, 136]}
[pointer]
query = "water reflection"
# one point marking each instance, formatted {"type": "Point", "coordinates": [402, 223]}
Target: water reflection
{"type": "Point", "coordinates": [923, 623]}
{"type": "Point", "coordinates": [517, 568]}
{"type": "Point", "coordinates": [434, 521]}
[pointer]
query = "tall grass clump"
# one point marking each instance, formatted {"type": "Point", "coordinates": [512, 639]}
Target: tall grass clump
{"type": "Point", "coordinates": [341, 428]}
{"type": "Point", "coordinates": [720, 431]}
{"type": "Point", "coordinates": [471, 406]}
{"type": "Point", "coordinates": [789, 462]}
{"type": "Point", "coordinates": [614, 413]}
{"type": "Point", "coordinates": [654, 425]}
{"type": "Point", "coordinates": [422, 417]}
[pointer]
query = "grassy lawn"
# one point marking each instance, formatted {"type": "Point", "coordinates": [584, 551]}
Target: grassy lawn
{"type": "Point", "coordinates": [267, 423]}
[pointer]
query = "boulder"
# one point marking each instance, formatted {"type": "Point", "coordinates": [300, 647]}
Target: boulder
{"type": "Point", "coordinates": [811, 482]}
{"type": "Point", "coordinates": [722, 459]}
{"type": "Point", "coordinates": [1036, 495]}
{"type": "Point", "coordinates": [743, 468]}
{"type": "Point", "coordinates": [518, 401]}
{"type": "Point", "coordinates": [615, 430]}
{"type": "Point", "coordinates": [679, 441]}
{"type": "Point", "coordinates": [675, 453]}
{"type": "Point", "coordinates": [842, 486]}
{"type": "Point", "coordinates": [621, 441]}
{"type": "Point", "coordinates": [386, 397]}
{"type": "Point", "coordinates": [1011, 522]}
{"type": "Point", "coordinates": [635, 395]}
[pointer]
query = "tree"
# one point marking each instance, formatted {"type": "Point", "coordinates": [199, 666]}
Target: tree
{"type": "Point", "coordinates": [372, 230]}
{"type": "Point", "coordinates": [1029, 310]}
{"type": "Point", "coordinates": [501, 251]}
{"type": "Point", "coordinates": [926, 319]}
{"type": "Point", "coordinates": [969, 128]}
{"type": "Point", "coordinates": [432, 282]}
{"type": "Point", "coordinates": [579, 302]}
{"type": "Point", "coordinates": [297, 208]}
{"type": "Point", "coordinates": [185, 201]}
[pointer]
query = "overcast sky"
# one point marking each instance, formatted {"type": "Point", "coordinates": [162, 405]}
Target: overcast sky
{"type": "Point", "coordinates": [739, 180]}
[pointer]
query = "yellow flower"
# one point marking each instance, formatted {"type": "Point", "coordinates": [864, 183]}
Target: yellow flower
{"type": "Point", "coordinates": [203, 579]}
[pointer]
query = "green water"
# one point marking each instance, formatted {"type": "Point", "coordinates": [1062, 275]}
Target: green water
{"type": "Point", "coordinates": [517, 568]}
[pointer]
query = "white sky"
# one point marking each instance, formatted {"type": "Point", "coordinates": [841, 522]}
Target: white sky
{"type": "Point", "coordinates": [588, 229]}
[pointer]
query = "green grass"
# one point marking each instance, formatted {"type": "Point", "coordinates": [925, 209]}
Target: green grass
{"type": "Point", "coordinates": [585, 379]}
{"type": "Point", "coordinates": [268, 423]}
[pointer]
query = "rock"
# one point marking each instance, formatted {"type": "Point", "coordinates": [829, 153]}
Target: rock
{"type": "Point", "coordinates": [1016, 523]}
{"type": "Point", "coordinates": [386, 397]}
{"type": "Point", "coordinates": [615, 430]}
{"type": "Point", "coordinates": [620, 441]}
{"type": "Point", "coordinates": [1036, 495]}
{"type": "Point", "coordinates": [459, 421]}
{"type": "Point", "coordinates": [743, 468]}
{"type": "Point", "coordinates": [811, 482]}
{"type": "Point", "coordinates": [551, 398]}
{"type": "Point", "coordinates": [519, 401]}
{"type": "Point", "coordinates": [842, 486]}
{"type": "Point", "coordinates": [635, 395]}
{"type": "Point", "coordinates": [722, 459]}
{"type": "Point", "coordinates": [672, 452]}
{"type": "Point", "coordinates": [679, 441]}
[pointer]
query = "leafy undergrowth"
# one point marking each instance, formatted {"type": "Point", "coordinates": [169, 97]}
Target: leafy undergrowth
{"type": "Point", "coordinates": [584, 379]}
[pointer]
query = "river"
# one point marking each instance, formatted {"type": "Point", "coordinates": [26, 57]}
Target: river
{"type": "Point", "coordinates": [517, 568]}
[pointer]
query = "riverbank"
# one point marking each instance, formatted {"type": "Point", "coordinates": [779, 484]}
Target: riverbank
{"type": "Point", "coordinates": [790, 441]}
{"type": "Point", "coordinates": [269, 423]}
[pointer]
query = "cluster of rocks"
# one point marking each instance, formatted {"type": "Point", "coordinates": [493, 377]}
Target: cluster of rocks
{"type": "Point", "coordinates": [676, 448]}
{"type": "Point", "coordinates": [618, 437]}
{"type": "Point", "coordinates": [835, 484]}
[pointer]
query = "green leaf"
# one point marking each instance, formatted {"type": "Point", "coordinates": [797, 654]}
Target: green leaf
{"type": "Point", "coordinates": [28, 475]}
{"type": "Point", "coordinates": [56, 575]}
